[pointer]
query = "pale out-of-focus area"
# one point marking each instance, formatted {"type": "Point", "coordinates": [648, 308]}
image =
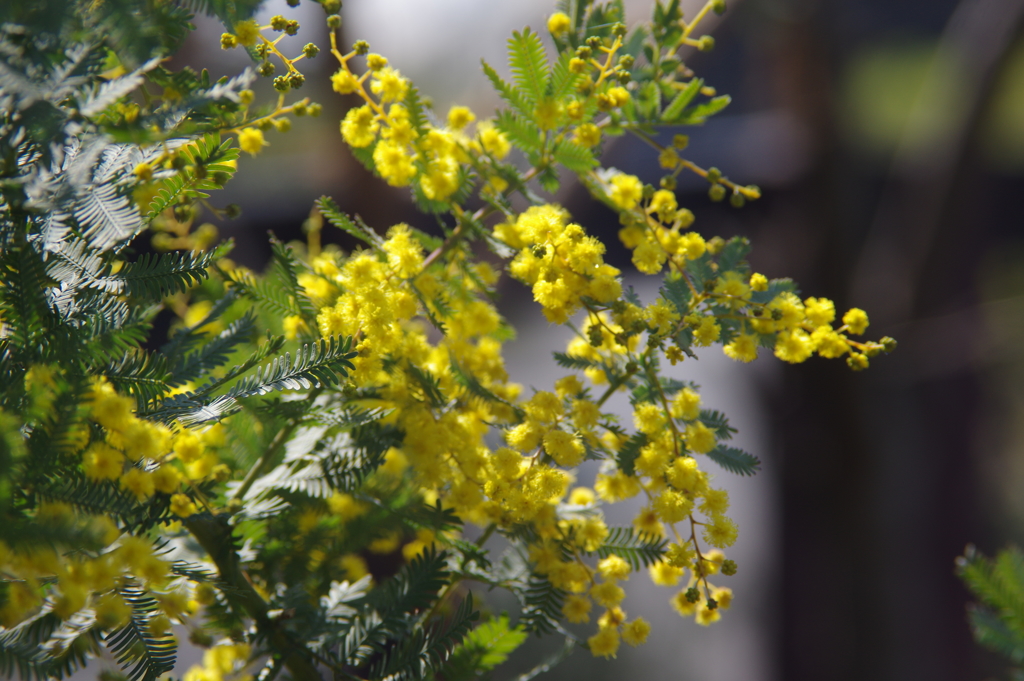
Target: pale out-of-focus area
{"type": "Point", "coordinates": [888, 138]}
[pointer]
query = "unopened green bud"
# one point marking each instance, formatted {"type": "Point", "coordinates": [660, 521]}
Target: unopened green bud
{"type": "Point", "coordinates": [232, 211]}
{"type": "Point", "coordinates": [310, 50]}
{"type": "Point", "coordinates": [282, 124]}
{"type": "Point", "coordinates": [265, 69]}
{"type": "Point", "coordinates": [334, 22]}
{"type": "Point", "coordinates": [668, 182]}
{"type": "Point", "coordinates": [706, 43]}
{"type": "Point", "coordinates": [618, 29]}
{"type": "Point", "coordinates": [714, 175]}
{"type": "Point", "coordinates": [296, 80]}
{"type": "Point", "coordinates": [292, 27]}
{"type": "Point", "coordinates": [584, 52]}
{"type": "Point", "coordinates": [331, 6]}
{"type": "Point", "coordinates": [293, 3]}
{"type": "Point", "coordinates": [299, 108]}
{"type": "Point", "coordinates": [728, 567]}
{"type": "Point", "coordinates": [718, 7]}
{"type": "Point", "coordinates": [626, 61]}
{"type": "Point", "coordinates": [623, 77]}
{"type": "Point", "coordinates": [647, 192]}
{"type": "Point", "coordinates": [315, 109]}
{"type": "Point", "coordinates": [692, 594]}
{"type": "Point", "coordinates": [593, 42]}
{"type": "Point", "coordinates": [201, 638]}
{"type": "Point", "coordinates": [737, 200]}
{"type": "Point", "coordinates": [716, 193]}
{"type": "Point", "coordinates": [183, 212]}
{"type": "Point", "coordinates": [281, 84]}
{"type": "Point", "coordinates": [361, 47]}
{"type": "Point", "coordinates": [712, 604]}
{"type": "Point", "coordinates": [888, 344]}
{"type": "Point", "coordinates": [278, 22]}
{"type": "Point", "coordinates": [227, 41]}
{"type": "Point", "coordinates": [680, 141]}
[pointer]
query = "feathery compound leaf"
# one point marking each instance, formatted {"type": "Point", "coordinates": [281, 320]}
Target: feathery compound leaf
{"type": "Point", "coordinates": [681, 101]}
{"type": "Point", "coordinates": [493, 642]}
{"type": "Point", "coordinates": [636, 549]}
{"type": "Point", "coordinates": [414, 588]}
{"type": "Point", "coordinates": [676, 292]}
{"type": "Point", "coordinates": [286, 270]}
{"type": "Point", "coordinates": [154, 276]}
{"type": "Point", "coordinates": [213, 353]}
{"type": "Point", "coordinates": [575, 157]}
{"type": "Point", "coordinates": [106, 216]}
{"type": "Point", "coordinates": [322, 363]}
{"type": "Point", "coordinates": [700, 113]}
{"type": "Point", "coordinates": [520, 130]}
{"type": "Point", "coordinates": [718, 422]}
{"type": "Point", "coordinates": [341, 221]}
{"type": "Point", "coordinates": [735, 460]}
{"type": "Point", "coordinates": [626, 458]}
{"type": "Point", "coordinates": [138, 373]}
{"type": "Point", "coordinates": [573, 362]}
{"type": "Point", "coordinates": [111, 91]}
{"type": "Point", "coordinates": [542, 606]}
{"type": "Point", "coordinates": [142, 654]}
{"type": "Point", "coordinates": [510, 93]}
{"type": "Point", "coordinates": [563, 79]}
{"type": "Point", "coordinates": [991, 632]}
{"type": "Point", "coordinates": [529, 63]}
{"type": "Point", "coordinates": [21, 652]}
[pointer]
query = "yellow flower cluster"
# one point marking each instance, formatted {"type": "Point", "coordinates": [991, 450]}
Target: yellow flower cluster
{"type": "Point", "coordinates": [90, 577]}
{"type": "Point", "coordinates": [223, 661]}
{"type": "Point", "coordinates": [403, 149]}
{"type": "Point", "coordinates": [559, 260]}
{"type": "Point", "coordinates": [146, 458]}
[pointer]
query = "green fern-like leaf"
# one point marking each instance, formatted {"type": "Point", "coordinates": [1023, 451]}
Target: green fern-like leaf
{"type": "Point", "coordinates": [681, 101]}
{"type": "Point", "coordinates": [575, 157]}
{"type": "Point", "coordinates": [106, 216]}
{"type": "Point", "coordinates": [697, 115]}
{"type": "Point", "coordinates": [529, 63]}
{"type": "Point", "coordinates": [334, 216]}
{"type": "Point", "coordinates": [520, 130]}
{"type": "Point", "coordinates": [717, 422]}
{"type": "Point", "coordinates": [542, 606]}
{"type": "Point", "coordinates": [155, 276]}
{"type": "Point", "coordinates": [563, 79]}
{"type": "Point", "coordinates": [324, 363]}
{"type": "Point", "coordinates": [212, 354]}
{"type": "Point", "coordinates": [573, 362]}
{"type": "Point", "coordinates": [510, 93]}
{"type": "Point", "coordinates": [286, 273]}
{"type": "Point", "coordinates": [993, 633]}
{"type": "Point", "coordinates": [735, 460]}
{"type": "Point", "coordinates": [142, 654]}
{"type": "Point", "coordinates": [627, 454]}
{"type": "Point", "coordinates": [636, 549]}
{"type": "Point", "coordinates": [140, 374]}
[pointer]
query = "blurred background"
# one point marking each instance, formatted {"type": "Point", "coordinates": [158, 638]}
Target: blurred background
{"type": "Point", "coordinates": [888, 137]}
